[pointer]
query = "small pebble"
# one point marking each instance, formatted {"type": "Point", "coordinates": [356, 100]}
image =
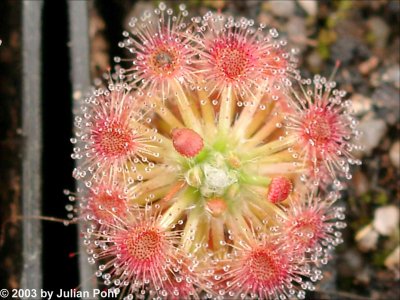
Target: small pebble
{"type": "Point", "coordinates": [361, 104]}
{"type": "Point", "coordinates": [386, 219]}
{"type": "Point", "coordinates": [387, 99]}
{"type": "Point", "coordinates": [283, 9]}
{"type": "Point", "coordinates": [296, 30]}
{"type": "Point", "coordinates": [315, 61]}
{"type": "Point", "coordinates": [367, 238]}
{"type": "Point", "coordinates": [372, 132]}
{"type": "Point", "coordinates": [367, 66]}
{"type": "Point", "coordinates": [310, 6]}
{"type": "Point", "coordinates": [394, 154]}
{"type": "Point", "coordinates": [392, 75]}
{"type": "Point", "coordinates": [380, 30]}
{"type": "Point", "coordinates": [392, 262]}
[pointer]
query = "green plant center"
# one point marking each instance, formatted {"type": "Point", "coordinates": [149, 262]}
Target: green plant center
{"type": "Point", "coordinates": [211, 174]}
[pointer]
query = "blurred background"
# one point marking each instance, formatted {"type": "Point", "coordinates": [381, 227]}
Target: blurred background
{"type": "Point", "coordinates": [38, 82]}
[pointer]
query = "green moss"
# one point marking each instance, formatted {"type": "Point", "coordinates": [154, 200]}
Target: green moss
{"type": "Point", "coordinates": [378, 199]}
{"type": "Point", "coordinates": [326, 38]}
{"type": "Point", "coordinates": [366, 198]}
{"type": "Point", "coordinates": [342, 9]}
{"type": "Point", "coordinates": [379, 257]}
{"type": "Point", "coordinates": [345, 5]}
{"type": "Point", "coordinates": [381, 199]}
{"type": "Point", "coordinates": [370, 38]}
{"type": "Point", "coordinates": [331, 21]}
{"type": "Point", "coordinates": [360, 223]}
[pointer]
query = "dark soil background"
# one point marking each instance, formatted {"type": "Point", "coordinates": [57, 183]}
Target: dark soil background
{"type": "Point", "coordinates": [362, 35]}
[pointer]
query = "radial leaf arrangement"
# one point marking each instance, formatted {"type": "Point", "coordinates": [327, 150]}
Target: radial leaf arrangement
{"type": "Point", "coordinates": [211, 167]}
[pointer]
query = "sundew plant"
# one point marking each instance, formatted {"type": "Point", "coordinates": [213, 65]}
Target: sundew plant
{"type": "Point", "coordinates": [211, 167]}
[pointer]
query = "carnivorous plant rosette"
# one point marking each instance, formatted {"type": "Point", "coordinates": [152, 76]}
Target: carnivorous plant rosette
{"type": "Point", "coordinates": [201, 162]}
